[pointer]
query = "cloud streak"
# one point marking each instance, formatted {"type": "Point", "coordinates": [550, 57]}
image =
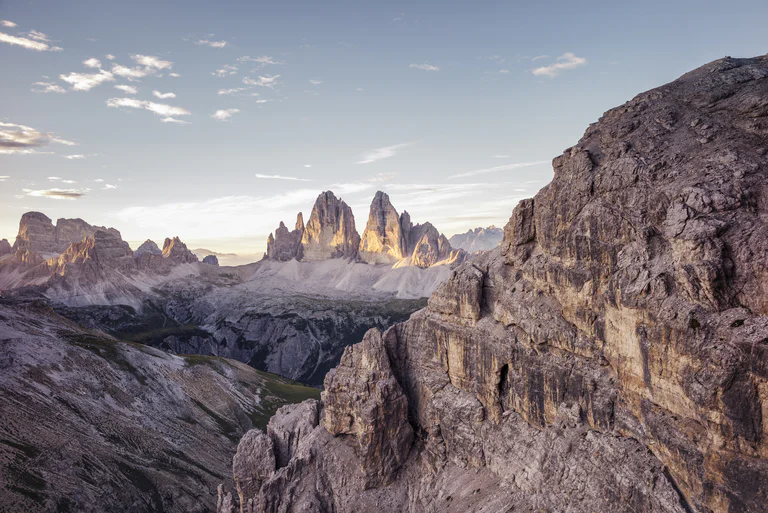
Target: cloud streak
{"type": "Point", "coordinates": [36, 42]}
{"type": "Point", "coordinates": [565, 62]}
{"type": "Point", "coordinates": [280, 177]}
{"type": "Point", "coordinates": [212, 44]}
{"type": "Point", "coordinates": [160, 109]}
{"type": "Point", "coordinates": [163, 96]}
{"type": "Point", "coordinates": [425, 67]}
{"type": "Point", "coordinates": [21, 139]}
{"type": "Point", "coordinates": [57, 194]}
{"type": "Point", "coordinates": [382, 153]}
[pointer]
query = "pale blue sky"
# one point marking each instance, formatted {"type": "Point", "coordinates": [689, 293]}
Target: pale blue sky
{"type": "Point", "coordinates": [447, 106]}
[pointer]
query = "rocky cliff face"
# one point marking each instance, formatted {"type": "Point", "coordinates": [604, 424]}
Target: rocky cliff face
{"type": "Point", "coordinates": [429, 246]}
{"type": "Point", "coordinates": [330, 231]}
{"type": "Point", "coordinates": [38, 234]}
{"type": "Point", "coordinates": [611, 355]}
{"type": "Point", "coordinates": [383, 241]}
{"type": "Point", "coordinates": [477, 240]}
{"type": "Point", "coordinates": [176, 251]}
{"type": "Point", "coordinates": [286, 245]}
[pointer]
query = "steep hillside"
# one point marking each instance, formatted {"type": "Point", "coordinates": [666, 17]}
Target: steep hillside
{"type": "Point", "coordinates": [92, 424]}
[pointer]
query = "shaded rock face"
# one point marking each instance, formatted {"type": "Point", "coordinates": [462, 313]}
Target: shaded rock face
{"type": "Point", "coordinates": [38, 234]}
{"type": "Point", "coordinates": [5, 247]}
{"type": "Point", "coordinates": [211, 260]}
{"type": "Point", "coordinates": [286, 245]}
{"type": "Point", "coordinates": [383, 241]}
{"type": "Point", "coordinates": [477, 240]}
{"type": "Point", "coordinates": [177, 251]}
{"type": "Point", "coordinates": [363, 399]}
{"type": "Point", "coordinates": [610, 355]}
{"type": "Point", "coordinates": [147, 247]}
{"type": "Point", "coordinates": [330, 231]}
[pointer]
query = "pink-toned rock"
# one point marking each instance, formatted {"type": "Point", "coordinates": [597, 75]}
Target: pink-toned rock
{"type": "Point", "coordinates": [176, 251]}
{"type": "Point", "coordinates": [383, 241]}
{"type": "Point", "coordinates": [330, 231]}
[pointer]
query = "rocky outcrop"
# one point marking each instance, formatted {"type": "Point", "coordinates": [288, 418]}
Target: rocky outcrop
{"type": "Point", "coordinates": [610, 355]}
{"type": "Point", "coordinates": [211, 260]}
{"type": "Point", "coordinates": [38, 234]}
{"type": "Point", "coordinates": [363, 399]}
{"type": "Point", "coordinates": [388, 238]}
{"type": "Point", "coordinates": [383, 241]}
{"type": "Point", "coordinates": [286, 245]}
{"type": "Point", "coordinates": [330, 231]}
{"type": "Point", "coordinates": [176, 251]}
{"type": "Point", "coordinates": [94, 258]}
{"type": "Point", "coordinates": [477, 240]}
{"type": "Point", "coordinates": [5, 248]}
{"type": "Point", "coordinates": [429, 246]}
{"type": "Point", "coordinates": [148, 247]}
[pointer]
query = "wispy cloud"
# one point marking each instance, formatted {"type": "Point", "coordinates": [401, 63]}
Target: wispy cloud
{"type": "Point", "coordinates": [267, 81]}
{"type": "Point", "coordinates": [566, 61]}
{"type": "Point", "coordinates": [315, 81]}
{"type": "Point", "coordinates": [146, 65]}
{"type": "Point", "coordinates": [261, 61]}
{"type": "Point", "coordinates": [126, 89]}
{"type": "Point", "coordinates": [280, 177]}
{"type": "Point", "coordinates": [174, 75]}
{"type": "Point", "coordinates": [225, 71]}
{"type": "Point", "coordinates": [21, 139]}
{"type": "Point", "coordinates": [32, 42]}
{"type": "Point", "coordinates": [539, 57]}
{"type": "Point", "coordinates": [57, 194]}
{"type": "Point", "coordinates": [160, 109]}
{"type": "Point", "coordinates": [87, 81]}
{"type": "Point", "coordinates": [505, 167]}
{"type": "Point", "coordinates": [224, 114]}
{"type": "Point", "coordinates": [7, 23]}
{"type": "Point", "coordinates": [74, 157]}
{"type": "Point", "coordinates": [425, 67]}
{"type": "Point", "coordinates": [163, 96]}
{"type": "Point", "coordinates": [382, 153]}
{"type": "Point", "coordinates": [212, 44]}
{"type": "Point", "coordinates": [170, 119]}
{"type": "Point", "coordinates": [234, 90]}
{"type": "Point", "coordinates": [109, 57]}
{"type": "Point", "coordinates": [47, 87]}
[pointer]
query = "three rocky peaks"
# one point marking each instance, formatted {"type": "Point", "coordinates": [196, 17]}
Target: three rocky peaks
{"type": "Point", "coordinates": [389, 238]}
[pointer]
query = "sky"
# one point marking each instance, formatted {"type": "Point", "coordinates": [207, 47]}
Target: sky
{"type": "Point", "coordinates": [214, 121]}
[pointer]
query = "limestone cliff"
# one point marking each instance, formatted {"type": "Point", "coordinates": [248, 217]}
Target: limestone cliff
{"type": "Point", "coordinates": [38, 234]}
{"type": "Point", "coordinates": [610, 355]}
{"type": "Point", "coordinates": [330, 231]}
{"type": "Point", "coordinates": [383, 241]}
{"type": "Point", "coordinates": [176, 251]}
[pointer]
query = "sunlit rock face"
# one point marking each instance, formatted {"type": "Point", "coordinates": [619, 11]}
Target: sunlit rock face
{"type": "Point", "coordinates": [383, 241]}
{"type": "Point", "coordinates": [428, 246]}
{"type": "Point", "coordinates": [38, 234]}
{"type": "Point", "coordinates": [477, 240]}
{"type": "Point", "coordinates": [611, 355]}
{"type": "Point", "coordinates": [330, 231]}
{"type": "Point", "coordinates": [177, 251]}
{"type": "Point", "coordinates": [286, 245]}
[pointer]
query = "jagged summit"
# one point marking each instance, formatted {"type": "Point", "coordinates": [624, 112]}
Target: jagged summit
{"type": "Point", "coordinates": [389, 238]}
{"type": "Point", "coordinates": [177, 251]}
{"type": "Point", "coordinates": [477, 240]}
{"type": "Point", "coordinates": [37, 234]}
